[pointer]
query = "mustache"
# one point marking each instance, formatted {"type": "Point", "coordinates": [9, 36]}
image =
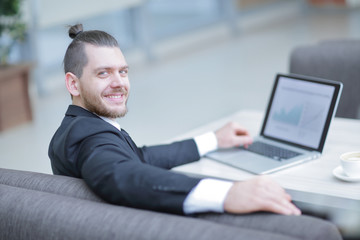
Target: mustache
{"type": "Point", "coordinates": [120, 90]}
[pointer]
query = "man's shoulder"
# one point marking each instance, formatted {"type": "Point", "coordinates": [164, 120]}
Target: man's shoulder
{"type": "Point", "coordinates": [77, 133]}
{"type": "Point", "coordinates": [78, 125]}
{"type": "Point", "coordinates": [83, 126]}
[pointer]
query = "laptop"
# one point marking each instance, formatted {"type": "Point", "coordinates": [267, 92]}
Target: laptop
{"type": "Point", "coordinates": [294, 129]}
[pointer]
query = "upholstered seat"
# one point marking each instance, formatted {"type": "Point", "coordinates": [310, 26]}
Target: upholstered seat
{"type": "Point", "coordinates": [336, 60]}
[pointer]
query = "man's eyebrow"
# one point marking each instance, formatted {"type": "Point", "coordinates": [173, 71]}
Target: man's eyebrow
{"type": "Point", "coordinates": [111, 67]}
{"type": "Point", "coordinates": [125, 67]}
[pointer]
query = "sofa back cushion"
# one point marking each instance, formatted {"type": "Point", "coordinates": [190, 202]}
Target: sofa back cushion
{"type": "Point", "coordinates": [61, 185]}
{"type": "Point", "coordinates": [35, 215]}
{"type": "Point", "coordinates": [337, 59]}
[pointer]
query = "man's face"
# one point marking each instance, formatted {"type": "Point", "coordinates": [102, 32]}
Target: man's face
{"type": "Point", "coordinates": [104, 85]}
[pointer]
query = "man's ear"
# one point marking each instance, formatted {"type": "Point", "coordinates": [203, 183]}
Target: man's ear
{"type": "Point", "coordinates": [72, 84]}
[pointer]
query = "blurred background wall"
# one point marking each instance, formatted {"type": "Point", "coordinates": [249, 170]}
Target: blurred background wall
{"type": "Point", "coordinates": [191, 61]}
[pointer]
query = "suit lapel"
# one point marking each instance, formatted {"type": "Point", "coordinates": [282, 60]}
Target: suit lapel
{"type": "Point", "coordinates": [129, 140]}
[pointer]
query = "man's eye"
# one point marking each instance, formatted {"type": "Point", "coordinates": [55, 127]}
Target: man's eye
{"type": "Point", "coordinates": [103, 73]}
{"type": "Point", "coordinates": [125, 71]}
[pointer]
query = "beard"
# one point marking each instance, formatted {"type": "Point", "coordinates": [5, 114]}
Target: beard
{"type": "Point", "coordinates": [94, 103]}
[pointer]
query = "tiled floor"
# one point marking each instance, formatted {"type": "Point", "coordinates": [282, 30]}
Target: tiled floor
{"type": "Point", "coordinates": [198, 77]}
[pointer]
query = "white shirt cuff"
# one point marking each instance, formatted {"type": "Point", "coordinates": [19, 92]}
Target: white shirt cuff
{"type": "Point", "coordinates": [206, 143]}
{"type": "Point", "coordinates": [208, 196]}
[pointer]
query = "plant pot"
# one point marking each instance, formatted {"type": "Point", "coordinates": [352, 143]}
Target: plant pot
{"type": "Point", "coordinates": [15, 107]}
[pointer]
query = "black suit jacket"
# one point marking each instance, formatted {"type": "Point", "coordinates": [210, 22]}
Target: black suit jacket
{"type": "Point", "coordinates": [85, 146]}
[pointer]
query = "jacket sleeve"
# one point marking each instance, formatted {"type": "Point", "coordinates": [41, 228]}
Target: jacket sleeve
{"type": "Point", "coordinates": [171, 155]}
{"type": "Point", "coordinates": [120, 177]}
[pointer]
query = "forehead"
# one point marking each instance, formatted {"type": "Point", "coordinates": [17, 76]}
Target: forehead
{"type": "Point", "coordinates": [104, 56]}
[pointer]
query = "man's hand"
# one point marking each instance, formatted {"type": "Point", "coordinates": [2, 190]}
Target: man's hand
{"type": "Point", "coordinates": [232, 135]}
{"type": "Point", "coordinates": [259, 194]}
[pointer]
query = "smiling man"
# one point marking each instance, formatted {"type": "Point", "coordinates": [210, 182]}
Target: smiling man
{"type": "Point", "coordinates": [103, 87]}
{"type": "Point", "coordinates": [91, 145]}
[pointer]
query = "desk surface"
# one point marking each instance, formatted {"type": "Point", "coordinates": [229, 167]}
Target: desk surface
{"type": "Point", "coordinates": [310, 177]}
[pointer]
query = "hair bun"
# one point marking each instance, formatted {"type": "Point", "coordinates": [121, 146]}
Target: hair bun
{"type": "Point", "coordinates": [75, 30]}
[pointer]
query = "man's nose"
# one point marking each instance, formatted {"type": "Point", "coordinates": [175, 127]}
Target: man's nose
{"type": "Point", "coordinates": [117, 81]}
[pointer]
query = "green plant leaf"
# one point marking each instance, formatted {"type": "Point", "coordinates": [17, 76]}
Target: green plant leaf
{"type": "Point", "coordinates": [9, 7]}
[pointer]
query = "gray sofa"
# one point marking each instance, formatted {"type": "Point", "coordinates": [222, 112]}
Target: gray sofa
{"type": "Point", "coordinates": [42, 206]}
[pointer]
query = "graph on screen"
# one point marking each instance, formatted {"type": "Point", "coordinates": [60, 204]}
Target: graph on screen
{"type": "Point", "coordinates": [313, 117]}
{"type": "Point", "coordinates": [305, 116]}
{"type": "Point", "coordinates": [291, 116]}
{"type": "Point", "coordinates": [298, 111]}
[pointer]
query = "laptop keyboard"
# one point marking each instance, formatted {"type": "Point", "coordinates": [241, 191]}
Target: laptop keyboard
{"type": "Point", "coordinates": [274, 152]}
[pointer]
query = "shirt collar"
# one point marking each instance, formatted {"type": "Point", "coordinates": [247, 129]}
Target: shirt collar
{"type": "Point", "coordinates": [112, 122]}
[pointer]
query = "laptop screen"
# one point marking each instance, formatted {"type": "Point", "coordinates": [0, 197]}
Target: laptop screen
{"type": "Point", "coordinates": [300, 110]}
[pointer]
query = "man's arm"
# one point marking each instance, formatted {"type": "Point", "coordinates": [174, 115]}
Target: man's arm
{"type": "Point", "coordinates": [178, 153]}
{"type": "Point", "coordinates": [170, 155]}
{"type": "Point", "coordinates": [119, 177]}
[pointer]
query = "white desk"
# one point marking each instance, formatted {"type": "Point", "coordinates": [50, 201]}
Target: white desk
{"type": "Point", "coordinates": [311, 177]}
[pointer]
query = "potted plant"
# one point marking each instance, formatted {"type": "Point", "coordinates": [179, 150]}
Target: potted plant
{"type": "Point", "coordinates": [12, 29]}
{"type": "Point", "coordinates": [14, 96]}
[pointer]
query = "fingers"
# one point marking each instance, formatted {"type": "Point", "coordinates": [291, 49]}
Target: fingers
{"type": "Point", "coordinates": [241, 136]}
{"type": "Point", "coordinates": [282, 205]}
{"type": "Point", "coordinates": [232, 135]}
{"type": "Point", "coordinates": [259, 194]}
{"type": "Point", "coordinates": [238, 129]}
{"type": "Point", "coordinates": [278, 201]}
{"type": "Point", "coordinates": [285, 208]}
{"type": "Point", "coordinates": [242, 141]}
